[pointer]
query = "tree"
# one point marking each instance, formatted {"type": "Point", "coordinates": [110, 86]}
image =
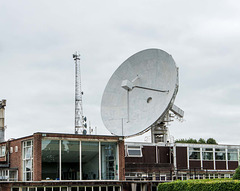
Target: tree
{"type": "Point", "coordinates": [191, 140]}
{"type": "Point", "coordinates": [201, 141]}
{"type": "Point", "coordinates": [211, 141]}
{"type": "Point", "coordinates": [236, 175]}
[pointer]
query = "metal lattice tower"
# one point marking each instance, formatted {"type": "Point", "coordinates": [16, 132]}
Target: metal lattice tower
{"type": "Point", "coordinates": [79, 119]}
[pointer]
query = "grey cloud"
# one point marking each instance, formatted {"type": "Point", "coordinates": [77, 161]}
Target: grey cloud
{"type": "Point", "coordinates": [37, 70]}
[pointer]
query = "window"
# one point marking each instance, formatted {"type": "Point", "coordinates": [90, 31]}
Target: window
{"type": "Point", "coordinates": [70, 160]}
{"type": "Point", "coordinates": [79, 160]}
{"type": "Point", "coordinates": [4, 175]}
{"type": "Point", "coordinates": [11, 149]}
{"type": "Point", "coordinates": [109, 162]}
{"type": "Point", "coordinates": [2, 150]}
{"type": "Point", "coordinates": [134, 151]}
{"type": "Point", "coordinates": [13, 175]}
{"type": "Point", "coordinates": [207, 153]}
{"type": "Point", "coordinates": [27, 160]}
{"type": "Point", "coordinates": [194, 153]}
{"type": "Point", "coordinates": [226, 175]}
{"type": "Point", "coordinates": [211, 176]}
{"type": "Point", "coordinates": [232, 154]}
{"type": "Point", "coordinates": [220, 154]}
{"type": "Point", "coordinates": [16, 149]}
{"type": "Point", "coordinates": [65, 188]}
{"type": "Point", "coordinates": [50, 159]}
{"type": "Point", "coordinates": [90, 160]}
{"type": "Point", "coordinates": [184, 177]}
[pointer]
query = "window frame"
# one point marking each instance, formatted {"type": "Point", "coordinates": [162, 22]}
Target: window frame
{"type": "Point", "coordinates": [207, 151]}
{"type": "Point", "coordinates": [2, 150]}
{"type": "Point", "coordinates": [26, 159]}
{"type": "Point", "coordinates": [194, 150]}
{"type": "Point", "coordinates": [232, 151]}
{"type": "Point", "coordinates": [132, 148]}
{"type": "Point", "coordinates": [218, 151]}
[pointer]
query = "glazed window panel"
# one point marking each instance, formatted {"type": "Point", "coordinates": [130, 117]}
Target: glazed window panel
{"type": "Point", "coordinates": [50, 159]}
{"type": "Point", "coordinates": [134, 151]}
{"type": "Point", "coordinates": [194, 153]}
{"type": "Point", "coordinates": [207, 153]}
{"type": "Point", "coordinates": [90, 160]}
{"type": "Point", "coordinates": [109, 162]}
{"type": "Point", "coordinates": [70, 160]}
{"type": "Point", "coordinates": [220, 154]}
{"type": "Point", "coordinates": [27, 160]}
{"type": "Point", "coordinates": [232, 154]}
{"type": "Point", "coordinates": [2, 150]}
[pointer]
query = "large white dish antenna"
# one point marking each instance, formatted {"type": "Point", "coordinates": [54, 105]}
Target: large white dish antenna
{"type": "Point", "coordinates": [139, 93]}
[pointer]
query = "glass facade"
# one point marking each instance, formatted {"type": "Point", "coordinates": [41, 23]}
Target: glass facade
{"type": "Point", "coordinates": [50, 160]}
{"type": "Point", "coordinates": [70, 160]}
{"type": "Point", "coordinates": [79, 160]}
{"type": "Point", "coordinates": [207, 153]}
{"type": "Point", "coordinates": [90, 160]}
{"type": "Point", "coordinates": [232, 154]}
{"type": "Point", "coordinates": [194, 153]}
{"type": "Point", "coordinates": [210, 154]}
{"type": "Point", "coordinates": [109, 162]}
{"type": "Point", "coordinates": [220, 154]}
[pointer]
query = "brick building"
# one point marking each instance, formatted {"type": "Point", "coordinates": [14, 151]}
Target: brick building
{"type": "Point", "coordinates": [166, 162]}
{"type": "Point", "coordinates": [70, 162]}
{"type": "Point", "coordinates": [49, 161]}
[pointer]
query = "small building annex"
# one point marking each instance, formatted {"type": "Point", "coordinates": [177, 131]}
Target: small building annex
{"type": "Point", "coordinates": [49, 161]}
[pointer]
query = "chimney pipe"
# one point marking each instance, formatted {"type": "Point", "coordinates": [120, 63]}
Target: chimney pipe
{"type": "Point", "coordinates": [2, 120]}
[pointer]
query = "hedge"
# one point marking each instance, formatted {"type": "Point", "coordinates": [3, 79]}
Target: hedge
{"type": "Point", "coordinates": [201, 185]}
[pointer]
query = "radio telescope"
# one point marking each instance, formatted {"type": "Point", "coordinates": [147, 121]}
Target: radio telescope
{"type": "Point", "coordinates": [140, 94]}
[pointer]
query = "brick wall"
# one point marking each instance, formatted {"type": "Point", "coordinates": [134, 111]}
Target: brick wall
{"type": "Point", "coordinates": [15, 158]}
{"type": "Point", "coordinates": [121, 160]}
{"type": "Point", "coordinates": [37, 157]}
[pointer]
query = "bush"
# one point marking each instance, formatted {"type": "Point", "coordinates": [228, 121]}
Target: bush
{"type": "Point", "coordinates": [201, 185]}
{"type": "Point", "coordinates": [236, 175]}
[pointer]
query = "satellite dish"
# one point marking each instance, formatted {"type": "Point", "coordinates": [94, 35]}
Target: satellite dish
{"type": "Point", "coordinates": [139, 93]}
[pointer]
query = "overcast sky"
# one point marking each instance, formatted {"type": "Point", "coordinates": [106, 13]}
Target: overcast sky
{"type": "Point", "coordinates": [38, 39]}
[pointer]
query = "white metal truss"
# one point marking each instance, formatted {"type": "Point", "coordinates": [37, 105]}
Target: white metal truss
{"type": "Point", "coordinates": [79, 119]}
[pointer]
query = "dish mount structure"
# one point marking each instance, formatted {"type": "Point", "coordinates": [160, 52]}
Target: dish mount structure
{"type": "Point", "coordinates": [140, 96]}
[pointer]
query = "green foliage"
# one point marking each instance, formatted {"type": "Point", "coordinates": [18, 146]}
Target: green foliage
{"type": "Point", "coordinates": [201, 185]}
{"type": "Point", "coordinates": [190, 140]}
{"type": "Point", "coordinates": [236, 175]}
{"type": "Point", "coordinates": [211, 141]}
{"type": "Point", "coordinates": [200, 141]}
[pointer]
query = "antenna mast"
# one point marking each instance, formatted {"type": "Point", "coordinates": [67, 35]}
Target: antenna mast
{"type": "Point", "coordinates": [79, 119]}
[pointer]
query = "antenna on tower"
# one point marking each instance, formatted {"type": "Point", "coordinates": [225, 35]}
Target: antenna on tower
{"type": "Point", "coordinates": [80, 120]}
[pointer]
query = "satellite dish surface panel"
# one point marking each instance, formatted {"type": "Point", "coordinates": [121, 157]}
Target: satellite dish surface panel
{"type": "Point", "coordinates": [139, 93]}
